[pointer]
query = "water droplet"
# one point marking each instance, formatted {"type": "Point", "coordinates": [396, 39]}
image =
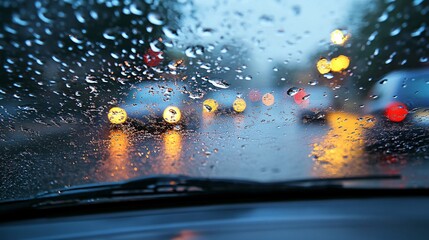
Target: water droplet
{"type": "Point", "coordinates": [372, 36]}
{"type": "Point", "coordinates": [205, 32]}
{"type": "Point", "coordinates": [155, 18]}
{"type": "Point", "coordinates": [93, 14]}
{"type": "Point", "coordinates": [395, 31]}
{"type": "Point", "coordinates": [41, 15]}
{"type": "Point", "coordinates": [75, 39]}
{"type": "Point", "coordinates": [90, 79]}
{"type": "Point", "coordinates": [306, 97]}
{"type": "Point", "coordinates": [219, 83]}
{"type": "Point", "coordinates": [376, 51]}
{"type": "Point", "coordinates": [197, 95]}
{"type": "Point", "coordinates": [79, 17]}
{"type": "Point", "coordinates": [134, 10]}
{"type": "Point", "coordinates": [419, 31]}
{"type": "Point", "coordinates": [384, 81]}
{"type": "Point", "coordinates": [266, 19]}
{"type": "Point", "coordinates": [157, 46]}
{"type": "Point", "coordinates": [328, 75]}
{"type": "Point", "coordinates": [383, 17]}
{"type": "Point", "coordinates": [296, 9]}
{"type": "Point", "coordinates": [16, 19]}
{"type": "Point", "coordinates": [417, 2]}
{"type": "Point", "coordinates": [313, 83]}
{"type": "Point", "coordinates": [170, 33]}
{"type": "Point", "coordinates": [108, 34]}
{"type": "Point", "coordinates": [27, 108]}
{"type": "Point", "coordinates": [56, 59]}
{"type": "Point", "coordinates": [292, 91]}
{"type": "Point", "coordinates": [192, 52]}
{"type": "Point", "coordinates": [9, 29]}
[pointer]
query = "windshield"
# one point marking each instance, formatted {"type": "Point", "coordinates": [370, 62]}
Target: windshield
{"type": "Point", "coordinates": [104, 90]}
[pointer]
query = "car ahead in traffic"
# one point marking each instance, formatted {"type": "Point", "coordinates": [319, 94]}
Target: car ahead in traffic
{"type": "Point", "coordinates": [399, 103]}
{"type": "Point", "coordinates": [155, 106]}
{"type": "Point", "coordinates": [315, 103]}
{"type": "Point", "coordinates": [224, 102]}
{"type": "Point", "coordinates": [235, 102]}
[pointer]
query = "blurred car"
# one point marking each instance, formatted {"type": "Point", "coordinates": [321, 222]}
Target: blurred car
{"type": "Point", "coordinates": [224, 100]}
{"type": "Point", "coordinates": [399, 104]}
{"type": "Point", "coordinates": [230, 101]}
{"type": "Point", "coordinates": [316, 107]}
{"type": "Point", "coordinates": [147, 103]}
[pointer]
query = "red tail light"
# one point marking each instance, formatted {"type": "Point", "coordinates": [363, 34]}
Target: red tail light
{"type": "Point", "coordinates": [396, 111]}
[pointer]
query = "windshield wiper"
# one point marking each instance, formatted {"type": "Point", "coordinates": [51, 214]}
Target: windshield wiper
{"type": "Point", "coordinates": [179, 190]}
{"type": "Point", "coordinates": [180, 184]}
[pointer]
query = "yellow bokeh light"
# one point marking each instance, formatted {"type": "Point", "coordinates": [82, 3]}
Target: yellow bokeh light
{"type": "Point", "coordinates": [323, 66]}
{"type": "Point", "coordinates": [338, 37]}
{"type": "Point", "coordinates": [268, 99]}
{"type": "Point", "coordinates": [239, 105]}
{"type": "Point", "coordinates": [117, 115]}
{"type": "Point", "coordinates": [172, 114]}
{"type": "Point", "coordinates": [340, 63]}
{"type": "Point", "coordinates": [210, 105]}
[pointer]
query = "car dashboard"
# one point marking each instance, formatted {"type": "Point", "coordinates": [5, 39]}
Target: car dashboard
{"type": "Point", "coordinates": [367, 218]}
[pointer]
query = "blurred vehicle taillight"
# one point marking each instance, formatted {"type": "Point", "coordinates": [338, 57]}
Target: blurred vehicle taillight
{"type": "Point", "coordinates": [396, 112]}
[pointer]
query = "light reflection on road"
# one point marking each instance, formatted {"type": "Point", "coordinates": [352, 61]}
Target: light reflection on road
{"type": "Point", "coordinates": [338, 153]}
{"type": "Point", "coordinates": [118, 165]}
{"type": "Point", "coordinates": [262, 143]}
{"type": "Point", "coordinates": [169, 160]}
{"type": "Point", "coordinates": [207, 118]}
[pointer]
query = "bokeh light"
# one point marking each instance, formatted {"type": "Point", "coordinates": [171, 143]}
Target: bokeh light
{"type": "Point", "coordinates": [338, 37]}
{"type": "Point", "coordinates": [152, 58]}
{"type": "Point", "coordinates": [239, 105]}
{"type": "Point", "coordinates": [300, 99]}
{"type": "Point", "coordinates": [254, 95]}
{"type": "Point", "coordinates": [323, 66]}
{"type": "Point", "coordinates": [268, 99]}
{"type": "Point", "coordinates": [172, 114]}
{"type": "Point", "coordinates": [396, 112]}
{"type": "Point", "coordinates": [210, 105]}
{"type": "Point", "coordinates": [340, 63]}
{"type": "Point", "coordinates": [117, 115]}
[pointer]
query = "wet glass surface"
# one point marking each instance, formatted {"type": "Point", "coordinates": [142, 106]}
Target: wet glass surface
{"type": "Point", "coordinates": [100, 91]}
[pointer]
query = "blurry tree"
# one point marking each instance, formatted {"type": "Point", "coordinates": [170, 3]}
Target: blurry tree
{"type": "Point", "coordinates": [386, 36]}
{"type": "Point", "coordinates": [393, 35]}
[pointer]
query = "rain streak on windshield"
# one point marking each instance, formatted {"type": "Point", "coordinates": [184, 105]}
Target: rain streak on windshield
{"type": "Point", "coordinates": [105, 90]}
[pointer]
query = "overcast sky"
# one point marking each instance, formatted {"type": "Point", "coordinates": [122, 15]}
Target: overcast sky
{"type": "Point", "coordinates": [280, 30]}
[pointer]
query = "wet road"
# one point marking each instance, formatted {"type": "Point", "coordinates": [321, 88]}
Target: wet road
{"type": "Point", "coordinates": [263, 143]}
